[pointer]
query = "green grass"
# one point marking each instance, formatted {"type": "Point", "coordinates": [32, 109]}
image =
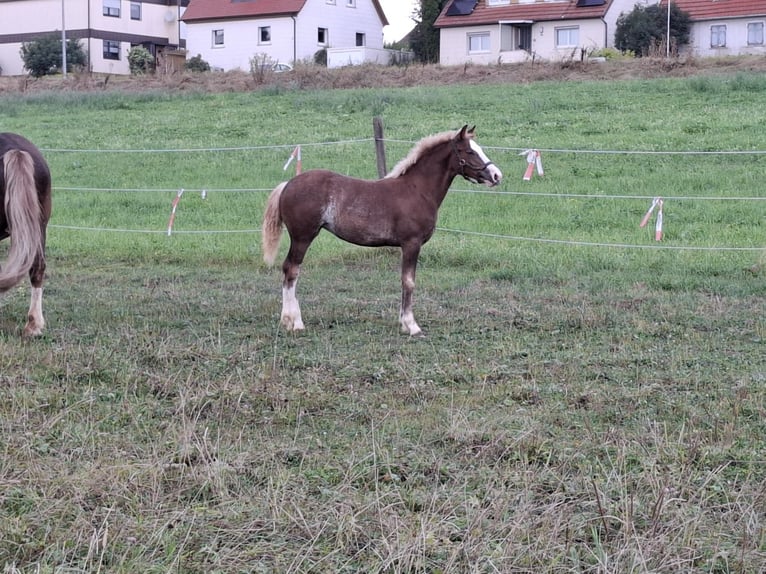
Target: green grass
{"type": "Point", "coordinates": [585, 400]}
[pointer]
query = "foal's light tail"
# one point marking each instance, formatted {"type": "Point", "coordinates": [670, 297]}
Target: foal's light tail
{"type": "Point", "coordinates": [24, 215]}
{"type": "Point", "coordinates": [272, 225]}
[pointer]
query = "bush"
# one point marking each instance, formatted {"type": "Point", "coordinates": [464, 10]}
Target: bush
{"type": "Point", "coordinates": [645, 28]}
{"type": "Point", "coordinates": [197, 64]}
{"type": "Point", "coordinates": [140, 61]}
{"type": "Point", "coordinates": [320, 57]}
{"type": "Point", "coordinates": [43, 55]}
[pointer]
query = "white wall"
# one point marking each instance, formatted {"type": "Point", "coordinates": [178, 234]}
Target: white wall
{"type": "Point", "coordinates": [454, 43]}
{"type": "Point", "coordinates": [241, 42]}
{"type": "Point", "coordinates": [736, 38]}
{"type": "Point", "coordinates": [339, 57]}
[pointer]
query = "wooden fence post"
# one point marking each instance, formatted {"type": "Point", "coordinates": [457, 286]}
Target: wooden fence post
{"type": "Point", "coordinates": [380, 146]}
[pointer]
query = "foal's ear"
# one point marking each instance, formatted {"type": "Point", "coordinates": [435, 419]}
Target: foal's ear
{"type": "Point", "coordinates": [465, 132]}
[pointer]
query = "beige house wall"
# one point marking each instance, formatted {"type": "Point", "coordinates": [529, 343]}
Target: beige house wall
{"type": "Point", "coordinates": [22, 20]}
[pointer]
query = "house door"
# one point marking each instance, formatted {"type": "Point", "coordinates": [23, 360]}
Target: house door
{"type": "Point", "coordinates": [524, 38]}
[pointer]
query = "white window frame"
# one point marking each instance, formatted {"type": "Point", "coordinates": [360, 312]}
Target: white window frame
{"type": "Point", "coordinates": [498, 2]}
{"type": "Point", "coordinates": [567, 36]}
{"type": "Point", "coordinates": [264, 30]}
{"type": "Point", "coordinates": [360, 39]}
{"type": "Point", "coordinates": [111, 8]}
{"type": "Point", "coordinates": [350, 3]}
{"type": "Point", "coordinates": [484, 43]}
{"type": "Point", "coordinates": [754, 30]}
{"type": "Point", "coordinates": [323, 36]}
{"type": "Point", "coordinates": [718, 36]}
{"type": "Point", "coordinates": [217, 38]}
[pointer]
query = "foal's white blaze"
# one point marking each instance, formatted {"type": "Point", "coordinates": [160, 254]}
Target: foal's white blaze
{"type": "Point", "coordinates": [291, 311]}
{"type": "Point", "coordinates": [35, 321]}
{"type": "Point", "coordinates": [495, 173]}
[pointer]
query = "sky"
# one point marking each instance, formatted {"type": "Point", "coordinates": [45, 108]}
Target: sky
{"type": "Point", "coordinates": [398, 14]}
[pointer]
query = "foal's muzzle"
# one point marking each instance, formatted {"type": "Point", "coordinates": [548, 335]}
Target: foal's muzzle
{"type": "Point", "coordinates": [490, 174]}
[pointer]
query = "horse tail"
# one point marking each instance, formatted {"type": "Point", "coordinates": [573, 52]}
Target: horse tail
{"type": "Point", "coordinates": [272, 225]}
{"type": "Point", "coordinates": [24, 216]}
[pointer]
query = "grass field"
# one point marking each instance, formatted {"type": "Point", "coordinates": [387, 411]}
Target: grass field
{"type": "Point", "coordinates": [586, 399]}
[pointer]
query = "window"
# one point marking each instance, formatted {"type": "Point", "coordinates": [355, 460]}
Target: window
{"type": "Point", "coordinates": [112, 8]}
{"type": "Point", "coordinates": [497, 2]}
{"type": "Point", "coordinates": [718, 36]}
{"type": "Point", "coordinates": [111, 50]}
{"type": "Point", "coordinates": [264, 35]}
{"type": "Point", "coordinates": [322, 36]}
{"type": "Point", "coordinates": [330, 1]}
{"type": "Point", "coordinates": [360, 39]}
{"type": "Point", "coordinates": [567, 37]}
{"type": "Point", "coordinates": [755, 34]}
{"type": "Point", "coordinates": [351, 3]}
{"type": "Point", "coordinates": [217, 38]}
{"type": "Point", "coordinates": [478, 43]}
{"type": "Point", "coordinates": [135, 10]}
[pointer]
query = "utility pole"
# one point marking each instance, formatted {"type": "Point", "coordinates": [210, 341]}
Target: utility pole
{"type": "Point", "coordinates": [63, 40]}
{"type": "Point", "coordinates": [667, 40]}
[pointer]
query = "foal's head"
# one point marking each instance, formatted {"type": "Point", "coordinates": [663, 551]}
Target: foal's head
{"type": "Point", "coordinates": [472, 163]}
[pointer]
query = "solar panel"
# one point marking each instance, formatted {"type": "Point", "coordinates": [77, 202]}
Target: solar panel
{"type": "Point", "coordinates": [461, 7]}
{"type": "Point", "coordinates": [584, 3]}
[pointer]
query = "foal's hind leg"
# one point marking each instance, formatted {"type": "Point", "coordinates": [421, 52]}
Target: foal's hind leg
{"type": "Point", "coordinates": [35, 321]}
{"type": "Point", "coordinates": [409, 264]}
{"type": "Point", "coordinates": [291, 268]}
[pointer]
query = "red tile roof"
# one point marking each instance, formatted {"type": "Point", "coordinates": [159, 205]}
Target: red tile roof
{"type": "Point", "coordinates": [226, 9]}
{"type": "Point", "coordinates": [537, 12]}
{"type": "Point", "coordinates": [230, 9]}
{"type": "Point", "coordinates": [717, 9]}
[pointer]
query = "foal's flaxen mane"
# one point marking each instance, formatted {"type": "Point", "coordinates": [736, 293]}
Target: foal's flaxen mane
{"type": "Point", "coordinates": [418, 150]}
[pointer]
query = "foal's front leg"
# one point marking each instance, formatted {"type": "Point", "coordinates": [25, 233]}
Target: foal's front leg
{"type": "Point", "coordinates": [409, 264]}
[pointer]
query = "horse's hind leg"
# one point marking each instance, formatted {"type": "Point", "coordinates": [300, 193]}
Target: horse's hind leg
{"type": "Point", "coordinates": [291, 310]}
{"type": "Point", "coordinates": [409, 265]}
{"type": "Point", "coordinates": [35, 321]}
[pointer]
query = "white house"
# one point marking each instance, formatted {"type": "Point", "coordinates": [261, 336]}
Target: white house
{"type": "Point", "coordinates": [492, 31]}
{"type": "Point", "coordinates": [228, 34]}
{"type": "Point", "coordinates": [107, 29]}
{"type": "Point", "coordinates": [724, 28]}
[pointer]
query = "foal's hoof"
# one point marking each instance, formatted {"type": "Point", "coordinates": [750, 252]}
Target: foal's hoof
{"type": "Point", "coordinates": [32, 330]}
{"type": "Point", "coordinates": [292, 324]}
{"type": "Point", "coordinates": [413, 332]}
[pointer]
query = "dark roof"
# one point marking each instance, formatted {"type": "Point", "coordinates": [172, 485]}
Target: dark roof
{"type": "Point", "coordinates": [535, 12]}
{"type": "Point", "coordinates": [717, 9]}
{"type": "Point", "coordinates": [231, 9]}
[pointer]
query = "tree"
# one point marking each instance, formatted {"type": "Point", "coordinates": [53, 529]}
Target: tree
{"type": "Point", "coordinates": [424, 38]}
{"type": "Point", "coordinates": [645, 28]}
{"type": "Point", "coordinates": [43, 55]}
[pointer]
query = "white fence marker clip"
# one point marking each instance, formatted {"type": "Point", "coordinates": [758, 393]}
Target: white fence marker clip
{"type": "Point", "coordinates": [656, 203]}
{"type": "Point", "coordinates": [296, 155]}
{"type": "Point", "coordinates": [173, 211]}
{"type": "Point", "coordinates": [534, 160]}
{"type": "Point", "coordinates": [658, 224]}
{"type": "Point", "coordinates": [204, 193]}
